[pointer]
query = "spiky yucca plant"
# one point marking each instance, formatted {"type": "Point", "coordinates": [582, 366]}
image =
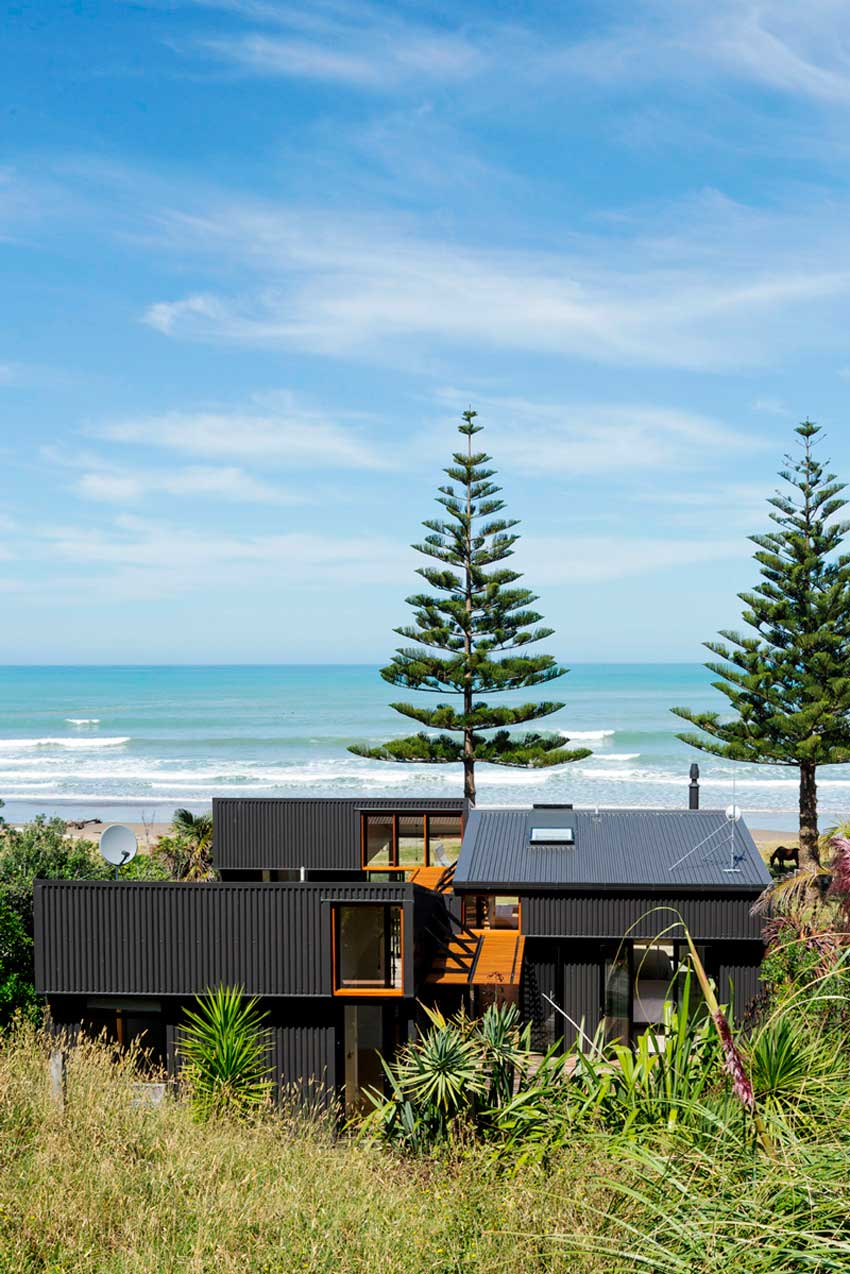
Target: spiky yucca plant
{"type": "Point", "coordinates": [225, 1048]}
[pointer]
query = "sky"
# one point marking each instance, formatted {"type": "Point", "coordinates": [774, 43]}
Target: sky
{"type": "Point", "coordinates": [256, 257]}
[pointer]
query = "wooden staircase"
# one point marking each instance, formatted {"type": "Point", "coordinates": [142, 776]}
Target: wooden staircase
{"type": "Point", "coordinates": [455, 957]}
{"type": "Point", "coordinates": [439, 879]}
{"type": "Point", "coordinates": [478, 957]}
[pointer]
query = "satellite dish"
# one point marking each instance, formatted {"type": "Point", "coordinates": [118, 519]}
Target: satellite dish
{"type": "Point", "coordinates": [733, 813]}
{"type": "Point", "coordinates": [118, 844]}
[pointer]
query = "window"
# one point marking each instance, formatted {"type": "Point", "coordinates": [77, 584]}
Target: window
{"type": "Point", "coordinates": [639, 981]}
{"type": "Point", "coordinates": [378, 840]}
{"type": "Point", "coordinates": [404, 841]}
{"type": "Point", "coordinates": [491, 911]}
{"type": "Point", "coordinates": [445, 832]}
{"type": "Point", "coordinates": [124, 1022]}
{"type": "Point", "coordinates": [411, 840]}
{"type": "Point", "coordinates": [654, 969]}
{"type": "Point", "coordinates": [368, 949]}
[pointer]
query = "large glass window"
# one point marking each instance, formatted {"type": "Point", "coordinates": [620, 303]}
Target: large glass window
{"type": "Point", "coordinates": [444, 836]}
{"type": "Point", "coordinates": [404, 841]}
{"type": "Point", "coordinates": [411, 840]}
{"type": "Point", "coordinates": [654, 969]}
{"type": "Point", "coordinates": [368, 949]}
{"type": "Point", "coordinates": [639, 981]}
{"type": "Point", "coordinates": [378, 840]}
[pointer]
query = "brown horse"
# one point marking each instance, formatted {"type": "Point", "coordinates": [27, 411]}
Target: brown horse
{"type": "Point", "coordinates": [782, 855]}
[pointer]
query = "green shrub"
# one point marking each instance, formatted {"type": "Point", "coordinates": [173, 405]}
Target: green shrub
{"type": "Point", "coordinates": [225, 1049]}
{"type": "Point", "coordinates": [17, 993]}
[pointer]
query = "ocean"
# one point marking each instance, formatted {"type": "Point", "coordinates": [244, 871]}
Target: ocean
{"type": "Point", "coordinates": [135, 742]}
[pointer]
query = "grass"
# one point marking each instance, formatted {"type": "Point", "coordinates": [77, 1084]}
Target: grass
{"type": "Point", "coordinates": [109, 1185]}
{"type": "Point", "coordinates": [106, 1185]}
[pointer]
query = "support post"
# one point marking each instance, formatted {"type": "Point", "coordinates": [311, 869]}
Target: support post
{"type": "Point", "coordinates": [58, 1077]}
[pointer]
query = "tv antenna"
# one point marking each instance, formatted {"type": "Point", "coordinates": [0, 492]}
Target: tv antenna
{"type": "Point", "coordinates": [733, 816]}
{"type": "Point", "coordinates": [118, 845]}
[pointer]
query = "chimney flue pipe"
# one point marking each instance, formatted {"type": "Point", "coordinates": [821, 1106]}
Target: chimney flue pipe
{"type": "Point", "coordinates": [693, 788]}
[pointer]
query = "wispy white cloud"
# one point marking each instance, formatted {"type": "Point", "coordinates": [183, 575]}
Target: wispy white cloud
{"type": "Point", "coordinates": [556, 560]}
{"type": "Point", "coordinates": [705, 284]}
{"type": "Point", "coordinates": [799, 50]}
{"type": "Point", "coordinates": [771, 406]}
{"type": "Point", "coordinates": [358, 44]}
{"type": "Point", "coordinates": [558, 439]}
{"type": "Point", "coordinates": [141, 558]}
{"type": "Point", "coordinates": [123, 486]}
{"type": "Point", "coordinates": [293, 436]}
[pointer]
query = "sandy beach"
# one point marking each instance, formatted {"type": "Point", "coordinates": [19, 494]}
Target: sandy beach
{"type": "Point", "coordinates": [147, 834]}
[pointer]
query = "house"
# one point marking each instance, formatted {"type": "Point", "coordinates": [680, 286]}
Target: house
{"type": "Point", "coordinates": [344, 916]}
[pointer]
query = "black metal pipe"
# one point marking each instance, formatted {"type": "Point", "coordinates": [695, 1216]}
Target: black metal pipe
{"type": "Point", "coordinates": [693, 788]}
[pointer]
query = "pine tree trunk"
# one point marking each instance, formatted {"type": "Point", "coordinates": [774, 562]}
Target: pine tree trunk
{"type": "Point", "coordinates": [468, 747]}
{"type": "Point", "coordinates": [809, 851]}
{"type": "Point", "coordinates": [468, 773]}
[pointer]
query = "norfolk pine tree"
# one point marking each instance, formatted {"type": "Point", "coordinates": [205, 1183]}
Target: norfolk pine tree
{"type": "Point", "coordinates": [471, 635]}
{"type": "Point", "coordinates": [789, 684]}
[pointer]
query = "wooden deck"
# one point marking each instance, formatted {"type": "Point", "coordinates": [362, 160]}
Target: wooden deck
{"type": "Point", "coordinates": [490, 957]}
{"type": "Point", "coordinates": [499, 959]}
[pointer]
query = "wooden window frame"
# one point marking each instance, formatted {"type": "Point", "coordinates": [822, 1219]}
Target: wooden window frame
{"type": "Point", "coordinates": [395, 815]}
{"type": "Point", "coordinates": [467, 898]}
{"type": "Point", "coordinates": [381, 992]}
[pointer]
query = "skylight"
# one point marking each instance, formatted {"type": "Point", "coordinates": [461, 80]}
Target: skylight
{"type": "Point", "coordinates": [552, 836]}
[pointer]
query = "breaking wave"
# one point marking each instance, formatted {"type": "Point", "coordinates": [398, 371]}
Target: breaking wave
{"type": "Point", "coordinates": [587, 734]}
{"type": "Point", "coordinates": [9, 745]}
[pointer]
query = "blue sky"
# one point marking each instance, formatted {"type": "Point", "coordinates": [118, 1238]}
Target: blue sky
{"type": "Point", "coordinates": [257, 256]}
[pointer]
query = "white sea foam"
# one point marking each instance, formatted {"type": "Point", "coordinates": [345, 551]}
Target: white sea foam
{"type": "Point", "coordinates": [619, 756]}
{"type": "Point", "coordinates": [586, 734]}
{"type": "Point", "coordinates": [83, 720]}
{"type": "Point", "coordinates": [9, 745]}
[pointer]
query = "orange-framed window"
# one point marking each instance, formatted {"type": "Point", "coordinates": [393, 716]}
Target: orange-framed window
{"type": "Point", "coordinates": [406, 839]}
{"type": "Point", "coordinates": [492, 911]}
{"type": "Point", "coordinates": [368, 948]}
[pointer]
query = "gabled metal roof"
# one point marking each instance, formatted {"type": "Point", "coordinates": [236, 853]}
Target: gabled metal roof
{"type": "Point", "coordinates": [661, 849]}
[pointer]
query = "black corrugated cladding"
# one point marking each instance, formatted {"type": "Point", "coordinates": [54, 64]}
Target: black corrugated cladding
{"type": "Point", "coordinates": [570, 974]}
{"type": "Point", "coordinates": [267, 834]}
{"type": "Point", "coordinates": [610, 915]}
{"type": "Point", "coordinates": [738, 974]}
{"type": "Point", "coordinates": [164, 939]}
{"type": "Point", "coordinates": [304, 1052]}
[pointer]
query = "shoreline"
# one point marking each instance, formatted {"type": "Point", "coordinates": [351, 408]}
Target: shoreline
{"type": "Point", "coordinates": [768, 829]}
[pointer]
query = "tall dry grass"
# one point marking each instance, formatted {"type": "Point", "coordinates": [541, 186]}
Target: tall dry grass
{"type": "Point", "coordinates": [106, 1185]}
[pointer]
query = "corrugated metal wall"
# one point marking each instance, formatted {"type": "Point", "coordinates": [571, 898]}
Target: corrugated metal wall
{"type": "Point", "coordinates": [568, 973]}
{"type": "Point", "coordinates": [610, 916]}
{"type": "Point", "coordinates": [582, 992]}
{"type": "Point", "coordinates": [145, 938]}
{"type": "Point", "coordinates": [541, 979]}
{"type": "Point", "coordinates": [266, 834]}
{"type": "Point", "coordinates": [739, 968]}
{"type": "Point", "coordinates": [304, 1055]}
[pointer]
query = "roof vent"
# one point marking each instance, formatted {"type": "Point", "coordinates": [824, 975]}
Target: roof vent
{"type": "Point", "coordinates": [552, 836]}
{"type": "Point", "coordinates": [542, 805]}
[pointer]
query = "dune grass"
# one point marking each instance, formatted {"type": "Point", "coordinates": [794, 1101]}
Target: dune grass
{"type": "Point", "coordinates": [111, 1184]}
{"type": "Point", "coordinates": [106, 1185]}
